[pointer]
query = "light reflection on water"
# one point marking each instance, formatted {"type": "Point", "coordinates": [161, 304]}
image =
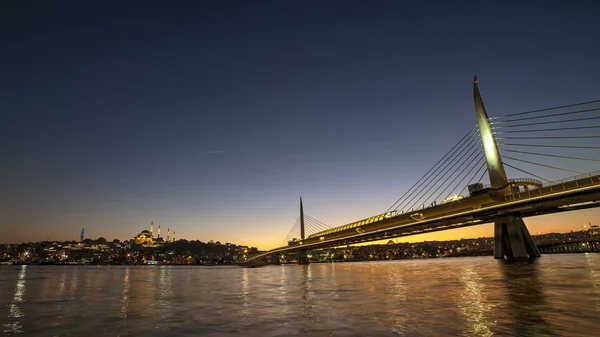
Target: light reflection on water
{"type": "Point", "coordinates": [121, 329]}
{"type": "Point", "coordinates": [15, 307]}
{"type": "Point", "coordinates": [473, 302]}
{"type": "Point", "coordinates": [395, 303]}
{"type": "Point", "coordinates": [164, 303]}
{"type": "Point", "coordinates": [245, 311]}
{"type": "Point", "coordinates": [554, 296]}
{"type": "Point", "coordinates": [282, 298]}
{"type": "Point", "coordinates": [125, 295]}
{"type": "Point", "coordinates": [594, 277]}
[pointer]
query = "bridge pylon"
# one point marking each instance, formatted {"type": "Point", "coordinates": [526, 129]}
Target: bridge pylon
{"type": "Point", "coordinates": [511, 237]}
{"type": "Point", "coordinates": [302, 253]}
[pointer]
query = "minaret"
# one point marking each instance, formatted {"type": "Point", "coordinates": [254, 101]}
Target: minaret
{"type": "Point", "coordinates": [158, 231]}
{"type": "Point", "coordinates": [173, 235]}
{"type": "Point", "coordinates": [82, 235]}
{"type": "Point", "coordinates": [168, 233]}
{"type": "Point", "coordinates": [151, 229]}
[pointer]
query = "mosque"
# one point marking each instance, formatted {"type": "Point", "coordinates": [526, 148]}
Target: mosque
{"type": "Point", "coordinates": [147, 236]}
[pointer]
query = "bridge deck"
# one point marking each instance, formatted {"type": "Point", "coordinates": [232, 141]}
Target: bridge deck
{"type": "Point", "coordinates": [565, 195]}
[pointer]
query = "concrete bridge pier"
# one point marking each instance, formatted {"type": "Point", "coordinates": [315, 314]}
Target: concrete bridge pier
{"type": "Point", "coordinates": [303, 257]}
{"type": "Point", "coordinates": [274, 259]}
{"type": "Point", "coordinates": [512, 239]}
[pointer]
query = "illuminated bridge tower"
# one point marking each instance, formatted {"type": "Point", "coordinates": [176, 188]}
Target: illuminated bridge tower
{"type": "Point", "coordinates": [511, 237]}
{"type": "Point", "coordinates": [302, 254]}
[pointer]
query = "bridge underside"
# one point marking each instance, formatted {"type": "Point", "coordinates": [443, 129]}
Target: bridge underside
{"type": "Point", "coordinates": [302, 257]}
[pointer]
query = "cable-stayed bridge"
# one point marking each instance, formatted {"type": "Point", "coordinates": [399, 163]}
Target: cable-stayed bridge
{"type": "Point", "coordinates": [532, 145]}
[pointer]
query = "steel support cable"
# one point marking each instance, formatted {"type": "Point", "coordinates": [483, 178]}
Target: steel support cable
{"type": "Point", "coordinates": [315, 225]}
{"type": "Point", "coordinates": [307, 224]}
{"type": "Point", "coordinates": [324, 225]}
{"type": "Point", "coordinates": [445, 177]}
{"type": "Point", "coordinates": [547, 137]}
{"type": "Point", "coordinates": [518, 169]}
{"type": "Point", "coordinates": [291, 236]}
{"type": "Point", "coordinates": [433, 167]}
{"type": "Point", "coordinates": [547, 122]}
{"type": "Point", "coordinates": [546, 116]}
{"type": "Point", "coordinates": [543, 165]}
{"type": "Point", "coordinates": [429, 180]}
{"type": "Point", "coordinates": [484, 167]}
{"type": "Point", "coordinates": [291, 233]}
{"type": "Point", "coordinates": [553, 155]}
{"type": "Point", "coordinates": [548, 109]}
{"type": "Point", "coordinates": [291, 230]}
{"type": "Point", "coordinates": [321, 222]}
{"type": "Point", "coordinates": [554, 146]}
{"type": "Point", "coordinates": [315, 221]}
{"type": "Point", "coordinates": [312, 224]}
{"type": "Point", "coordinates": [486, 171]}
{"type": "Point", "coordinates": [472, 163]}
{"type": "Point", "coordinates": [316, 229]}
{"type": "Point", "coordinates": [464, 177]}
{"type": "Point", "coordinates": [474, 146]}
{"type": "Point", "coordinates": [319, 227]}
{"type": "Point", "coordinates": [309, 229]}
{"type": "Point", "coordinates": [554, 129]}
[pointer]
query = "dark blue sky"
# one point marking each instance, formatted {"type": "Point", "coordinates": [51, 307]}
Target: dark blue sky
{"type": "Point", "coordinates": [212, 118]}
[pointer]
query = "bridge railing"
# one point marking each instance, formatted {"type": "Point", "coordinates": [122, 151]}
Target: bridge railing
{"type": "Point", "coordinates": [590, 175]}
{"type": "Point", "coordinates": [557, 185]}
{"type": "Point", "coordinates": [529, 181]}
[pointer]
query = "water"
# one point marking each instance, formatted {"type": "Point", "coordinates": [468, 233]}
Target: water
{"type": "Point", "coordinates": [558, 295]}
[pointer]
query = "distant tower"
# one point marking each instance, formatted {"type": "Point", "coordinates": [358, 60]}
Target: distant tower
{"type": "Point", "coordinates": [173, 235]}
{"type": "Point", "coordinates": [159, 231]}
{"type": "Point", "coordinates": [168, 233]}
{"type": "Point", "coordinates": [302, 254]}
{"type": "Point", "coordinates": [301, 220]}
{"type": "Point", "coordinates": [81, 235]}
{"type": "Point", "coordinates": [151, 229]}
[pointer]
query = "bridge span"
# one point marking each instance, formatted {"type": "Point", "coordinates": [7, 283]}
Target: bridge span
{"type": "Point", "coordinates": [505, 202]}
{"type": "Point", "coordinates": [568, 195]}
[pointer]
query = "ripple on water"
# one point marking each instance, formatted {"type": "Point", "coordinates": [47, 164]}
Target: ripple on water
{"type": "Point", "coordinates": [554, 296]}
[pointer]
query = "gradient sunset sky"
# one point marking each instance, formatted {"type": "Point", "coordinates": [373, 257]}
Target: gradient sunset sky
{"type": "Point", "coordinates": [213, 117]}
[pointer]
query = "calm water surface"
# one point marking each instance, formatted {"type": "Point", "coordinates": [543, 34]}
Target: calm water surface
{"type": "Point", "coordinates": [557, 295]}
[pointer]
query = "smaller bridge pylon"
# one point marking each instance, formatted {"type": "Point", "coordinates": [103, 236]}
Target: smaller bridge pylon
{"type": "Point", "coordinates": [302, 254]}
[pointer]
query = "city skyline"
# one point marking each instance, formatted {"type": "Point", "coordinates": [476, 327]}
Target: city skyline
{"type": "Point", "coordinates": [214, 118]}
